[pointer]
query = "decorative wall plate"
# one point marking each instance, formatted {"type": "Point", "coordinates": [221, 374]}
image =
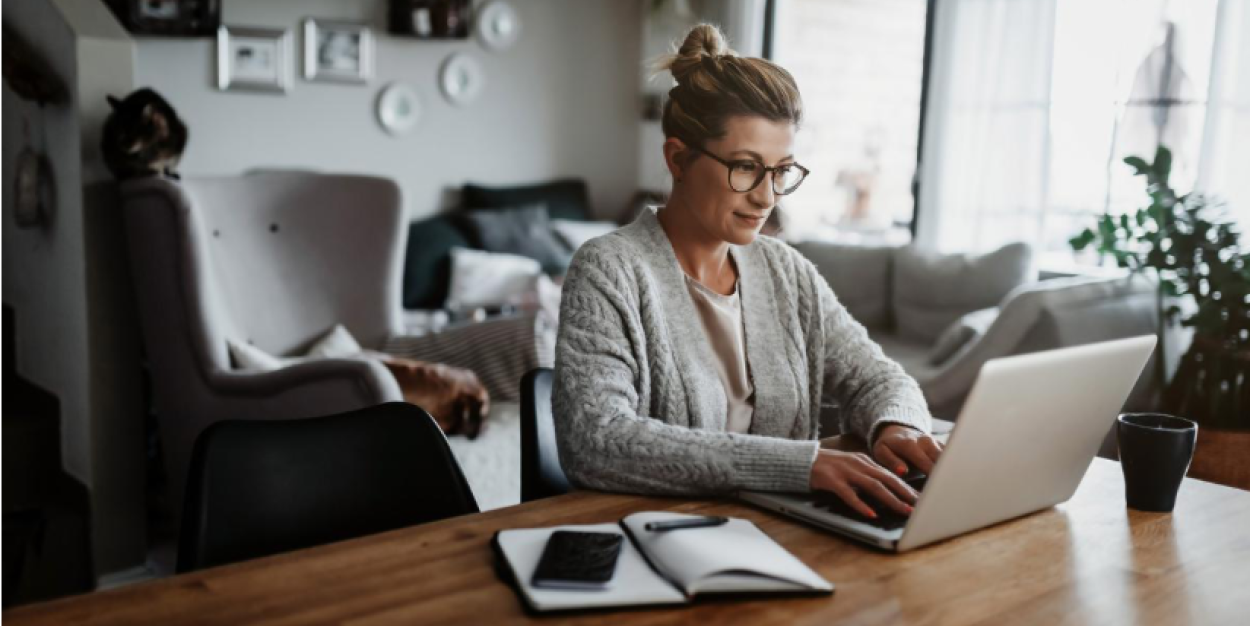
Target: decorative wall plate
{"type": "Point", "coordinates": [498, 26]}
{"type": "Point", "coordinates": [461, 79]}
{"type": "Point", "coordinates": [399, 108]}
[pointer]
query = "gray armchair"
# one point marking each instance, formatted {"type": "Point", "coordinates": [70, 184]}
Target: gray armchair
{"type": "Point", "coordinates": [271, 259]}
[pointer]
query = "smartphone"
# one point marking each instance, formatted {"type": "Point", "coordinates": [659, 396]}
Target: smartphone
{"type": "Point", "coordinates": [578, 560]}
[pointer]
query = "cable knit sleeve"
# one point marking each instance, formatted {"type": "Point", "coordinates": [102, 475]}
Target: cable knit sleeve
{"type": "Point", "coordinates": [603, 387]}
{"type": "Point", "coordinates": [873, 389]}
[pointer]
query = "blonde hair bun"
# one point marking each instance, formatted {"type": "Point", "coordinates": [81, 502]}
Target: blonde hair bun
{"type": "Point", "coordinates": [703, 41]}
{"type": "Point", "coordinates": [715, 84]}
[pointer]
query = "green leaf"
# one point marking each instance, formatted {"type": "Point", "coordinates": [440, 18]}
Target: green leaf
{"type": "Point", "coordinates": [1106, 227]}
{"type": "Point", "coordinates": [1139, 165]}
{"type": "Point", "coordinates": [1082, 241]}
{"type": "Point", "coordinates": [1163, 164]}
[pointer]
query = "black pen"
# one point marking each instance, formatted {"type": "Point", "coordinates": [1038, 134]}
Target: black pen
{"type": "Point", "coordinates": [678, 524]}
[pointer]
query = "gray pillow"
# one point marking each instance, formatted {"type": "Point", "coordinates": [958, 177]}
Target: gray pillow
{"type": "Point", "coordinates": [858, 275]}
{"type": "Point", "coordinates": [961, 334]}
{"type": "Point", "coordinates": [932, 290]}
{"type": "Point", "coordinates": [524, 230]}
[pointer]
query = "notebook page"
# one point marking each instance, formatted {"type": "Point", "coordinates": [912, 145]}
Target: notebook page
{"type": "Point", "coordinates": [737, 556]}
{"type": "Point", "coordinates": [634, 583]}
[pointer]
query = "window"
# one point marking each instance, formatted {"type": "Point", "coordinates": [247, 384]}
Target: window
{"type": "Point", "coordinates": [1035, 103]}
{"type": "Point", "coordinates": [860, 66]}
{"type": "Point", "coordinates": [1118, 96]}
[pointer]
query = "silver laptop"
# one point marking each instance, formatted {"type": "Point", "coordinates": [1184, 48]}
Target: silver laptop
{"type": "Point", "coordinates": [1026, 435]}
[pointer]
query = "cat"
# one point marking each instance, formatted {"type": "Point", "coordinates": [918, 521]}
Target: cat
{"type": "Point", "coordinates": [143, 136]}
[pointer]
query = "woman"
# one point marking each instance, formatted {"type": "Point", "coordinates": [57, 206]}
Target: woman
{"type": "Point", "coordinates": [693, 353]}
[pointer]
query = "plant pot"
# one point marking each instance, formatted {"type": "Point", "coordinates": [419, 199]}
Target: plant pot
{"type": "Point", "coordinates": [1211, 386]}
{"type": "Point", "coordinates": [1222, 456]}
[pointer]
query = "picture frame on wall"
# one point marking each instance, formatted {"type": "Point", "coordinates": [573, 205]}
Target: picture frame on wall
{"type": "Point", "coordinates": [337, 51]}
{"type": "Point", "coordinates": [253, 59]}
{"type": "Point", "coordinates": [168, 18]}
{"type": "Point", "coordinates": [429, 19]}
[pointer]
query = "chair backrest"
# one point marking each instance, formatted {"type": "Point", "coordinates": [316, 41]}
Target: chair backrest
{"type": "Point", "coordinates": [274, 259]}
{"type": "Point", "coordinates": [541, 474]}
{"type": "Point", "coordinates": [263, 487]}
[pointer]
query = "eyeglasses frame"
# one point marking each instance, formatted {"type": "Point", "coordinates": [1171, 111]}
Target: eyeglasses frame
{"type": "Point", "coordinates": [764, 171]}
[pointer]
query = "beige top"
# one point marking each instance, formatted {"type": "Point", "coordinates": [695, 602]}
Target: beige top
{"type": "Point", "coordinates": [722, 323]}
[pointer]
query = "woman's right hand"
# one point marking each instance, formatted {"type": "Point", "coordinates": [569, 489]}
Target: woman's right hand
{"type": "Point", "coordinates": [848, 475]}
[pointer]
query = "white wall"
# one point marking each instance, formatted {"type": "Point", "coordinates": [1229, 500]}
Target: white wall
{"type": "Point", "coordinates": [44, 268]}
{"type": "Point", "coordinates": [76, 332]}
{"type": "Point", "coordinates": [562, 102]}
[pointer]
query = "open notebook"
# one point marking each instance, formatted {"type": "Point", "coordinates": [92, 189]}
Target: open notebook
{"type": "Point", "coordinates": [664, 568]}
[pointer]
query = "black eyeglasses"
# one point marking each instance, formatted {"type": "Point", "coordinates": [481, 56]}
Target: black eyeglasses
{"type": "Point", "coordinates": [745, 174]}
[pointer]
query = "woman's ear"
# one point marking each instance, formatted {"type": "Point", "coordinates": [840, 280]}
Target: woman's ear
{"type": "Point", "coordinates": [676, 157]}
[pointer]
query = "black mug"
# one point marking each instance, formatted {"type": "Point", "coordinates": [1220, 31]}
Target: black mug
{"type": "Point", "coordinates": [1155, 451]}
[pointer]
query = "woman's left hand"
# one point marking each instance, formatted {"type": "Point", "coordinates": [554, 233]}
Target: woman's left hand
{"type": "Point", "coordinates": [899, 446]}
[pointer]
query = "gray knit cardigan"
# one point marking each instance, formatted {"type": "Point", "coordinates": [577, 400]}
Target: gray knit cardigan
{"type": "Point", "coordinates": [638, 404]}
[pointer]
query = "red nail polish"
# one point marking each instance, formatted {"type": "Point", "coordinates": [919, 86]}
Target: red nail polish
{"type": "Point", "coordinates": [872, 514]}
{"type": "Point", "coordinates": [902, 469]}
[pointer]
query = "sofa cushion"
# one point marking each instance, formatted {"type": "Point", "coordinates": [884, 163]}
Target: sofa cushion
{"type": "Point", "coordinates": [427, 262]}
{"type": "Point", "coordinates": [961, 334]}
{"type": "Point", "coordinates": [489, 279]}
{"type": "Point", "coordinates": [911, 355]}
{"type": "Point", "coordinates": [335, 344]}
{"type": "Point", "coordinates": [338, 343]}
{"type": "Point", "coordinates": [575, 233]}
{"type": "Point", "coordinates": [525, 231]}
{"type": "Point", "coordinates": [565, 199]}
{"type": "Point", "coordinates": [859, 275]}
{"type": "Point", "coordinates": [933, 290]}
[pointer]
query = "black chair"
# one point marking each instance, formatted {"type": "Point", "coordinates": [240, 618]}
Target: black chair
{"type": "Point", "coordinates": [541, 474]}
{"type": "Point", "coordinates": [262, 487]}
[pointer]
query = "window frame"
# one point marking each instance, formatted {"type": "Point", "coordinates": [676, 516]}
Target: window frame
{"type": "Point", "coordinates": [770, 29]}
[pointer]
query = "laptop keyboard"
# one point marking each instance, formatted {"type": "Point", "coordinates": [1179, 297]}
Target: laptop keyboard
{"type": "Point", "coordinates": [887, 518]}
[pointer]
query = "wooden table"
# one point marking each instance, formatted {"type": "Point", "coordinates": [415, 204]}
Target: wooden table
{"type": "Point", "coordinates": [1089, 561]}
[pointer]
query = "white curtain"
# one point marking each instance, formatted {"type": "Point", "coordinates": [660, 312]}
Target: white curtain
{"type": "Point", "coordinates": [983, 170]}
{"type": "Point", "coordinates": [1034, 104]}
{"type": "Point", "coordinates": [1224, 165]}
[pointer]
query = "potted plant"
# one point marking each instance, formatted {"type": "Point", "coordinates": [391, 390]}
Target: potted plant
{"type": "Point", "coordinates": [1195, 253]}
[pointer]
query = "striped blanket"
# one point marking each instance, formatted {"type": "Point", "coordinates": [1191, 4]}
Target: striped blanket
{"type": "Point", "coordinates": [500, 351]}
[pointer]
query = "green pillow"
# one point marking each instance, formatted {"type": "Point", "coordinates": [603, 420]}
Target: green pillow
{"type": "Point", "coordinates": [427, 261]}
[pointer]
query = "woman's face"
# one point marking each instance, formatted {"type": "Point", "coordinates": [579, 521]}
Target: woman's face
{"type": "Point", "coordinates": [715, 207]}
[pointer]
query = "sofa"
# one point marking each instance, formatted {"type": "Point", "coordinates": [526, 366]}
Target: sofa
{"type": "Point", "coordinates": [428, 260]}
{"type": "Point", "coordinates": [490, 271]}
{"type": "Point", "coordinates": [941, 317]}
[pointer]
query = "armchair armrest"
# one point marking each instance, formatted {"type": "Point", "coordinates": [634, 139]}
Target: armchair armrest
{"type": "Point", "coordinates": [308, 389]}
{"type": "Point", "coordinates": [320, 382]}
